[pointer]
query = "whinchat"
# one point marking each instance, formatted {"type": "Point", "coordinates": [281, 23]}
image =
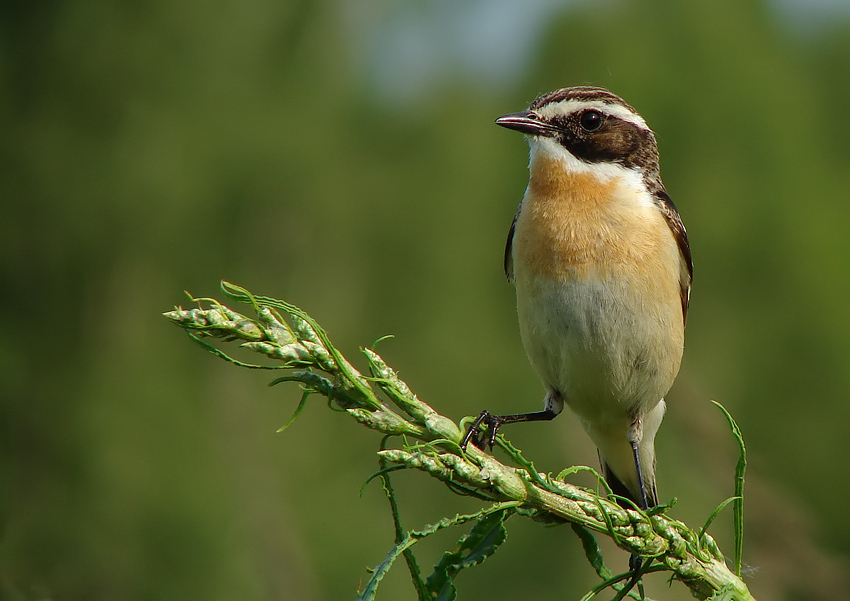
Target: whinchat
{"type": "Point", "coordinates": [602, 269]}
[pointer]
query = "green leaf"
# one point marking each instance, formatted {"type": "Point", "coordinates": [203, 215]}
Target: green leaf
{"type": "Point", "coordinates": [714, 515]}
{"type": "Point", "coordinates": [483, 540]}
{"type": "Point", "coordinates": [738, 507]}
{"type": "Point", "coordinates": [368, 593]}
{"type": "Point", "coordinates": [414, 536]}
{"type": "Point", "coordinates": [304, 396]}
{"type": "Point", "coordinates": [591, 551]}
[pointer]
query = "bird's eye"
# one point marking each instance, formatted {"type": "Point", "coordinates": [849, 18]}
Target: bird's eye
{"type": "Point", "coordinates": [590, 120]}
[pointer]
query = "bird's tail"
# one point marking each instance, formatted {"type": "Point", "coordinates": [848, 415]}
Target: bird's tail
{"type": "Point", "coordinates": [621, 490]}
{"type": "Point", "coordinates": [621, 458]}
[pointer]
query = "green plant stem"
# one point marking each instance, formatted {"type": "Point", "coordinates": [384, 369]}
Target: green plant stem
{"type": "Point", "coordinates": [383, 402]}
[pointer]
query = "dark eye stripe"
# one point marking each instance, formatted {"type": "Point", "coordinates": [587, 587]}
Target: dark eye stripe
{"type": "Point", "coordinates": [619, 141]}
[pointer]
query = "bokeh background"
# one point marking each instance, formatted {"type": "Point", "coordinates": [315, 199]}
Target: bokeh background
{"type": "Point", "coordinates": [342, 155]}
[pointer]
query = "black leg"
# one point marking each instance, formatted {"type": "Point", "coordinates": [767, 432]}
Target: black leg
{"type": "Point", "coordinates": [635, 564]}
{"type": "Point", "coordinates": [635, 561]}
{"type": "Point", "coordinates": [494, 422]}
{"type": "Point", "coordinates": [644, 504]}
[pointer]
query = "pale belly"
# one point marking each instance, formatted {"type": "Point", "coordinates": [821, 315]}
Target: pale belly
{"type": "Point", "coordinates": [610, 353]}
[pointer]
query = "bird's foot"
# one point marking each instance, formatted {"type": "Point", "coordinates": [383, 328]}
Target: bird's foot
{"type": "Point", "coordinates": [475, 433]}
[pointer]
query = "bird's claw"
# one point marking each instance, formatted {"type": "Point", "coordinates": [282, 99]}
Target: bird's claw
{"type": "Point", "coordinates": [474, 432]}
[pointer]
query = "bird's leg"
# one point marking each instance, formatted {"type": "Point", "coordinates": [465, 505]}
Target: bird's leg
{"type": "Point", "coordinates": [553, 403]}
{"type": "Point", "coordinates": [635, 435]}
{"type": "Point", "coordinates": [643, 502]}
{"type": "Point", "coordinates": [635, 561]}
{"type": "Point", "coordinates": [494, 422]}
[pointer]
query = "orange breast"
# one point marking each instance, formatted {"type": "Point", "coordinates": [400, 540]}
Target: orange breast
{"type": "Point", "coordinates": [576, 224]}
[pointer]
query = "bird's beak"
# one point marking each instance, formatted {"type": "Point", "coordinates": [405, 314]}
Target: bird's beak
{"type": "Point", "coordinates": [527, 123]}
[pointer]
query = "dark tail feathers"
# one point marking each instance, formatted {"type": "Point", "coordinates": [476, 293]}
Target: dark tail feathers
{"type": "Point", "coordinates": [619, 489]}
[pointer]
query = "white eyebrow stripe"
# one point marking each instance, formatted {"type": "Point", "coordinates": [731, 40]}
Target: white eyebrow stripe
{"type": "Point", "coordinates": [565, 107]}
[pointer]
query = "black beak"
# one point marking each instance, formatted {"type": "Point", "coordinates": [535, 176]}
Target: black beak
{"type": "Point", "coordinates": [527, 123]}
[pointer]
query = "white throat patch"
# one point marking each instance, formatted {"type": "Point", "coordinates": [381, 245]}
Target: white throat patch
{"type": "Point", "coordinates": [541, 147]}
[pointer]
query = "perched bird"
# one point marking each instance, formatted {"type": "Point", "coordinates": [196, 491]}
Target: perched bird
{"type": "Point", "coordinates": [602, 269]}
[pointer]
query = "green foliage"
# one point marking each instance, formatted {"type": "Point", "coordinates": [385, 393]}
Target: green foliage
{"type": "Point", "coordinates": [472, 549]}
{"type": "Point", "coordinates": [284, 332]}
{"type": "Point", "coordinates": [481, 542]}
{"type": "Point", "coordinates": [591, 551]}
{"type": "Point", "coordinates": [738, 499]}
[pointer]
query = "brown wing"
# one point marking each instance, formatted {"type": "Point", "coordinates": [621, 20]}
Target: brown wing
{"type": "Point", "coordinates": [671, 215]}
{"type": "Point", "coordinates": [509, 255]}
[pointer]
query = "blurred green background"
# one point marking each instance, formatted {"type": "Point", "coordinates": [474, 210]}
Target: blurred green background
{"type": "Point", "coordinates": [342, 155]}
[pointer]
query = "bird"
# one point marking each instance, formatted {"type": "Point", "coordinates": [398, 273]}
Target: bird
{"type": "Point", "coordinates": [602, 268]}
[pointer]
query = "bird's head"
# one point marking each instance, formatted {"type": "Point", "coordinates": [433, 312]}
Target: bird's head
{"type": "Point", "coordinates": [589, 129]}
